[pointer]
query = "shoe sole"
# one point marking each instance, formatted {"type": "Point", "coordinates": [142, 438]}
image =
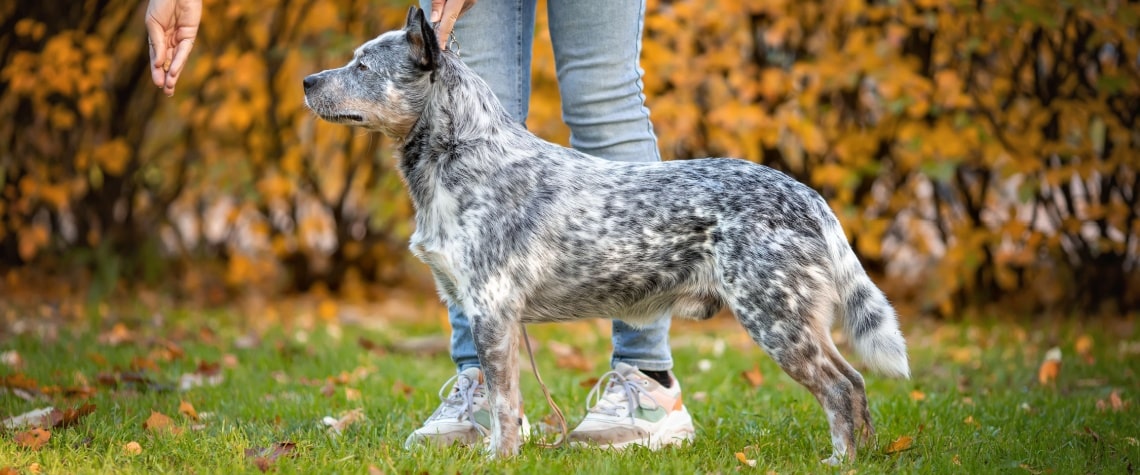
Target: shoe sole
{"type": "Point", "coordinates": [677, 429]}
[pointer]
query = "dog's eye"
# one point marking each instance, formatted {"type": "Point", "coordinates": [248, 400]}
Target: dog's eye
{"type": "Point", "coordinates": [361, 66]}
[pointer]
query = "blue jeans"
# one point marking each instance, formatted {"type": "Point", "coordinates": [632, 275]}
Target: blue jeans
{"type": "Point", "coordinates": [597, 45]}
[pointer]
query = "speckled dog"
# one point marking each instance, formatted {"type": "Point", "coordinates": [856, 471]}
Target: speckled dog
{"type": "Point", "coordinates": [518, 230]}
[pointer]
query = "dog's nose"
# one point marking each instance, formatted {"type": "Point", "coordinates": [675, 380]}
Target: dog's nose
{"type": "Point", "coordinates": [309, 82]}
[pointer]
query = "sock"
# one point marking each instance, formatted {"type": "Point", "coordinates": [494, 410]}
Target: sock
{"type": "Point", "coordinates": [660, 376]}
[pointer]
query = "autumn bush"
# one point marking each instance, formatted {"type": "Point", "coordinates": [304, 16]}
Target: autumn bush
{"type": "Point", "coordinates": [976, 152]}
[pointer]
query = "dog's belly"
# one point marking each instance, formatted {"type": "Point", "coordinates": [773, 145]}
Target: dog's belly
{"type": "Point", "coordinates": [637, 302]}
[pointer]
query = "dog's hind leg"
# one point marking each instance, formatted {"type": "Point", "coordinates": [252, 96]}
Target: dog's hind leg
{"type": "Point", "coordinates": [864, 427]}
{"type": "Point", "coordinates": [782, 296]}
{"type": "Point", "coordinates": [497, 343]}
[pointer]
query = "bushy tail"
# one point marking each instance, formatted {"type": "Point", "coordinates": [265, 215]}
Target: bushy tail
{"type": "Point", "coordinates": [868, 318]}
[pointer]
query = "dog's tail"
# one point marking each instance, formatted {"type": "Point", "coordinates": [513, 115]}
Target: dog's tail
{"type": "Point", "coordinates": [868, 318]}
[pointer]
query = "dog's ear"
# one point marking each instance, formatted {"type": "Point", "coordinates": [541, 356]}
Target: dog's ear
{"type": "Point", "coordinates": [422, 40]}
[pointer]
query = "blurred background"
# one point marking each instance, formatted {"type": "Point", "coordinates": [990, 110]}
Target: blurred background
{"type": "Point", "coordinates": [982, 155]}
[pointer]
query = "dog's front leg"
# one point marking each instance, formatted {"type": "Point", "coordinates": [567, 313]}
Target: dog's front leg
{"type": "Point", "coordinates": [497, 343]}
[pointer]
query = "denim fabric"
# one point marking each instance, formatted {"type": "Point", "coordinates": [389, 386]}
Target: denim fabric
{"type": "Point", "coordinates": [597, 46]}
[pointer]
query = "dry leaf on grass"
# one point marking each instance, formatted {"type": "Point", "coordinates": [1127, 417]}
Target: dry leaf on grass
{"type": "Point", "coordinates": [132, 448]}
{"type": "Point", "coordinates": [187, 409]}
{"type": "Point", "coordinates": [337, 426]}
{"type": "Point", "coordinates": [33, 439]}
{"type": "Point", "coordinates": [160, 423]}
{"type": "Point", "coordinates": [1051, 367]}
{"type": "Point", "coordinates": [35, 468]}
{"type": "Point", "coordinates": [754, 377]}
{"type": "Point", "coordinates": [570, 357]}
{"type": "Point", "coordinates": [8, 471]}
{"type": "Point", "coordinates": [12, 359]}
{"type": "Point", "coordinates": [400, 387]}
{"type": "Point", "coordinates": [1113, 403]}
{"type": "Point", "coordinates": [1083, 347]}
{"type": "Point", "coordinates": [351, 394]}
{"type": "Point", "coordinates": [917, 395]}
{"type": "Point", "coordinates": [263, 458]}
{"type": "Point", "coordinates": [374, 470]}
{"type": "Point", "coordinates": [49, 417]}
{"type": "Point", "coordinates": [745, 460]}
{"type": "Point", "coordinates": [900, 444]}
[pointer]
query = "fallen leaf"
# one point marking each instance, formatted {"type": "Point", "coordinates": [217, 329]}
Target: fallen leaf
{"type": "Point", "coordinates": [753, 376]}
{"type": "Point", "coordinates": [1051, 367]}
{"type": "Point", "coordinates": [745, 460]}
{"type": "Point", "coordinates": [351, 394]}
{"type": "Point", "coordinates": [8, 471]}
{"type": "Point", "coordinates": [33, 439]}
{"type": "Point", "coordinates": [970, 420]}
{"type": "Point", "coordinates": [900, 444]}
{"type": "Point", "coordinates": [372, 470]}
{"type": "Point", "coordinates": [37, 417]}
{"type": "Point", "coordinates": [117, 335]}
{"type": "Point", "coordinates": [230, 360]}
{"type": "Point", "coordinates": [160, 423]}
{"type": "Point", "coordinates": [187, 409]}
{"type": "Point", "coordinates": [12, 359]}
{"type": "Point", "coordinates": [70, 417]}
{"type": "Point", "coordinates": [588, 382]}
{"type": "Point", "coordinates": [263, 458]}
{"type": "Point", "coordinates": [400, 387]}
{"type": "Point", "coordinates": [917, 395]}
{"type": "Point", "coordinates": [1083, 347]}
{"type": "Point", "coordinates": [956, 460]}
{"type": "Point", "coordinates": [35, 467]}
{"type": "Point", "coordinates": [337, 426]}
{"type": "Point", "coordinates": [1095, 436]}
{"type": "Point", "coordinates": [328, 390]}
{"type": "Point", "coordinates": [132, 448]}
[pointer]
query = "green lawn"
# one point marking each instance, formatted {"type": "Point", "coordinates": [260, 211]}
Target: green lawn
{"type": "Point", "coordinates": [974, 406]}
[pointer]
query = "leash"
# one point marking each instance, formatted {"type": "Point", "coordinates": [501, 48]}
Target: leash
{"type": "Point", "coordinates": [546, 392]}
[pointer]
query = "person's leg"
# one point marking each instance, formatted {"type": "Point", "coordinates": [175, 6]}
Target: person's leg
{"type": "Point", "coordinates": [597, 48]}
{"type": "Point", "coordinates": [494, 38]}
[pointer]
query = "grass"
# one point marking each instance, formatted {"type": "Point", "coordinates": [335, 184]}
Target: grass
{"type": "Point", "coordinates": [974, 405]}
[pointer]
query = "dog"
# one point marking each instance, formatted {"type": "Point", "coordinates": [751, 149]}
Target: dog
{"type": "Point", "coordinates": [518, 230]}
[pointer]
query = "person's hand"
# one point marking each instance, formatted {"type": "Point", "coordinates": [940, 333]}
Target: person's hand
{"type": "Point", "coordinates": [171, 26]}
{"type": "Point", "coordinates": [446, 12]}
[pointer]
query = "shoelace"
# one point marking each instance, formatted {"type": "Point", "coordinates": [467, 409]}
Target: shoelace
{"type": "Point", "coordinates": [617, 387]}
{"type": "Point", "coordinates": [461, 400]}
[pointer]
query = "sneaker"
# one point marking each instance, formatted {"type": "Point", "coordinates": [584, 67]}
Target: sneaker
{"type": "Point", "coordinates": [463, 418]}
{"type": "Point", "coordinates": [633, 410]}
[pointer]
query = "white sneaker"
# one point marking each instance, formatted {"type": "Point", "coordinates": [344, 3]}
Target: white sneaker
{"type": "Point", "coordinates": [634, 409]}
{"type": "Point", "coordinates": [463, 418]}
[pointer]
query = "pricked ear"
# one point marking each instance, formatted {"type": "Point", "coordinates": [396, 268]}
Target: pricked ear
{"type": "Point", "coordinates": [421, 40]}
{"type": "Point", "coordinates": [411, 15]}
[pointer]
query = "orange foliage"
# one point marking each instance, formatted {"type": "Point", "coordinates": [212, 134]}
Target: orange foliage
{"type": "Point", "coordinates": [977, 149]}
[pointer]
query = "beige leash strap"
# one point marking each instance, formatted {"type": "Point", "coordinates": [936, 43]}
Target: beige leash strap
{"type": "Point", "coordinates": [546, 392]}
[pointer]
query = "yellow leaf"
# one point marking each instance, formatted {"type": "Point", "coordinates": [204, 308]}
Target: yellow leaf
{"type": "Point", "coordinates": [745, 460]}
{"type": "Point", "coordinates": [160, 423]}
{"type": "Point", "coordinates": [132, 448]}
{"type": "Point", "coordinates": [917, 395]}
{"type": "Point", "coordinates": [187, 409]}
{"type": "Point", "coordinates": [900, 444]}
{"type": "Point", "coordinates": [754, 377]}
{"type": "Point", "coordinates": [33, 439]}
{"type": "Point", "coordinates": [1051, 367]}
{"type": "Point", "coordinates": [1084, 346]}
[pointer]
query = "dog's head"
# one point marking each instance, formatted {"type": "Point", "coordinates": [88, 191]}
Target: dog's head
{"type": "Point", "coordinates": [385, 86]}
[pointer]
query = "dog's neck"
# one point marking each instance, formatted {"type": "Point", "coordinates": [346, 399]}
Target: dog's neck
{"type": "Point", "coordinates": [455, 135]}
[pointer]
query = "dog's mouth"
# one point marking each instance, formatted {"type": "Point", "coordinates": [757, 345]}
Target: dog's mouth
{"type": "Point", "coordinates": [345, 118]}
